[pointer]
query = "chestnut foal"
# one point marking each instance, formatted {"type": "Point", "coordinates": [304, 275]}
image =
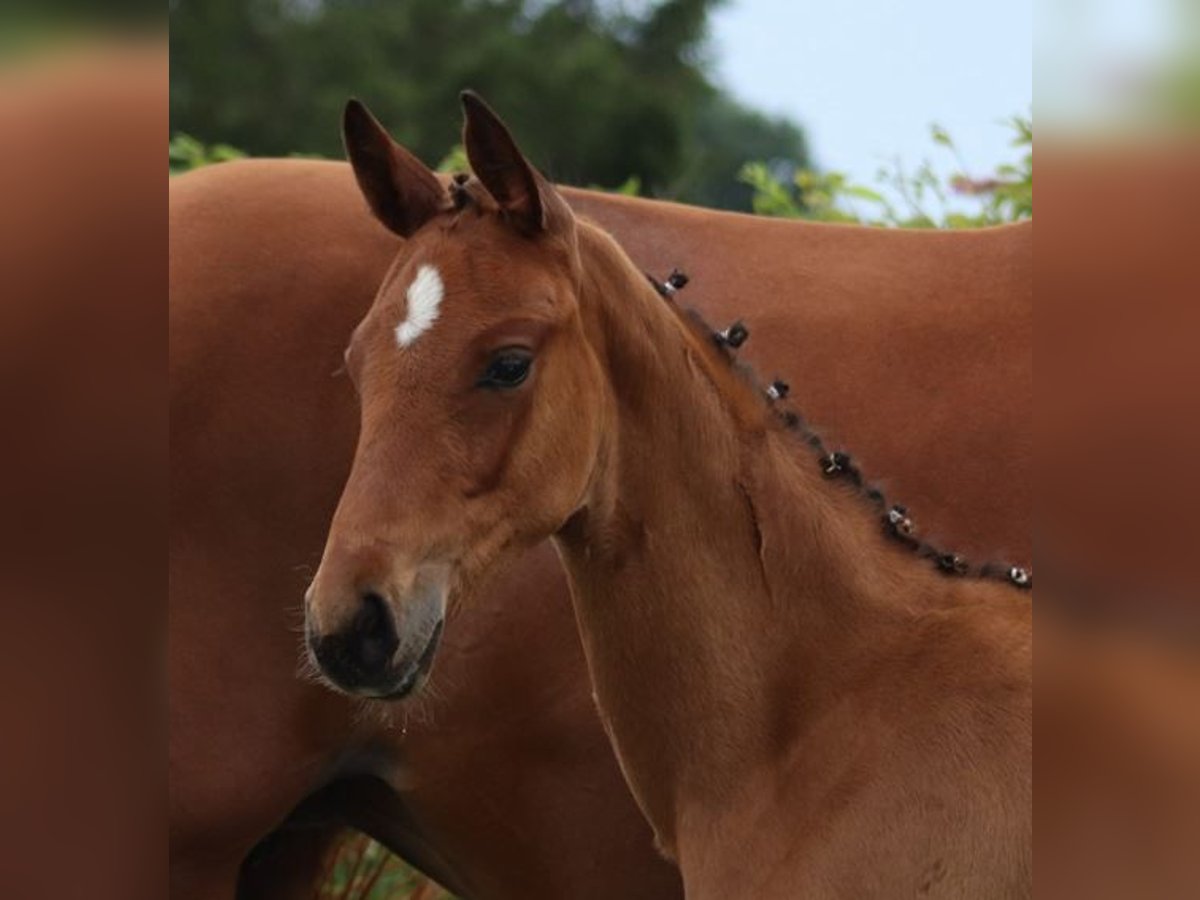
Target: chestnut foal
{"type": "Point", "coordinates": [801, 705]}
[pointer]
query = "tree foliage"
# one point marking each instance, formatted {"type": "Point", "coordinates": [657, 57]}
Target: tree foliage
{"type": "Point", "coordinates": [599, 92]}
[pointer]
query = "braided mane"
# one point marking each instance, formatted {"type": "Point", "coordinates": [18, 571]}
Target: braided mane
{"type": "Point", "coordinates": [835, 465]}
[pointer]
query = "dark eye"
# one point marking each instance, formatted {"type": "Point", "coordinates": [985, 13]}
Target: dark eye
{"type": "Point", "coordinates": [507, 369]}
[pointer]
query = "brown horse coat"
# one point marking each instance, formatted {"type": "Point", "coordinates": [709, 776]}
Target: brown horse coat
{"type": "Point", "coordinates": [913, 349]}
{"type": "Point", "coordinates": [802, 703]}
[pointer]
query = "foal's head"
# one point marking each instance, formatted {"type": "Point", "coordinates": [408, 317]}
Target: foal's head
{"type": "Point", "coordinates": [481, 400]}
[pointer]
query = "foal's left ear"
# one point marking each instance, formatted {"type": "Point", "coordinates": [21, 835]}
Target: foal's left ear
{"type": "Point", "coordinates": [526, 198]}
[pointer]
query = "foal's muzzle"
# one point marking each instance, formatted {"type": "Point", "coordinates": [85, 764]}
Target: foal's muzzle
{"type": "Point", "coordinates": [371, 656]}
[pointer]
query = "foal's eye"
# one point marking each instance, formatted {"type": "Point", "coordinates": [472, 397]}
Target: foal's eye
{"type": "Point", "coordinates": [507, 369]}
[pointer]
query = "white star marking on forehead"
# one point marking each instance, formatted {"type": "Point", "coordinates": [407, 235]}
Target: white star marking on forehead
{"type": "Point", "coordinates": [424, 297]}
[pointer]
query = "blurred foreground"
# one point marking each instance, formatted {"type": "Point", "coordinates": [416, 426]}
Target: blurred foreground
{"type": "Point", "coordinates": [1117, 769]}
{"type": "Point", "coordinates": [83, 470]}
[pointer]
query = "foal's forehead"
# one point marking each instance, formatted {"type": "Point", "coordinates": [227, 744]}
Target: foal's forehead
{"type": "Point", "coordinates": [422, 304]}
{"type": "Point", "coordinates": [478, 283]}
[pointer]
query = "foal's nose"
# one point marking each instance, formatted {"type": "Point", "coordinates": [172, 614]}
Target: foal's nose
{"type": "Point", "coordinates": [361, 655]}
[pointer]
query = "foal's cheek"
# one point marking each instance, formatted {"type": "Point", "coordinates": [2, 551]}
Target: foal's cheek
{"type": "Point", "coordinates": [579, 424]}
{"type": "Point", "coordinates": [492, 426]}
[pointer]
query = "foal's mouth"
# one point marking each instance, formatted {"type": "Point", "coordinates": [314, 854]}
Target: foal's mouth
{"type": "Point", "coordinates": [418, 672]}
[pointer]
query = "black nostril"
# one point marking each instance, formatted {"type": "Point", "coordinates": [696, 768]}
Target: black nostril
{"type": "Point", "coordinates": [374, 634]}
{"type": "Point", "coordinates": [360, 656]}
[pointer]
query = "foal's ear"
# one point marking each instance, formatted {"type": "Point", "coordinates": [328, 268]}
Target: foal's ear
{"type": "Point", "coordinates": [401, 190]}
{"type": "Point", "coordinates": [526, 198]}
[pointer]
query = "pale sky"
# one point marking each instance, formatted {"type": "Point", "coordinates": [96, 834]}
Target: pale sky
{"type": "Point", "coordinates": [866, 77]}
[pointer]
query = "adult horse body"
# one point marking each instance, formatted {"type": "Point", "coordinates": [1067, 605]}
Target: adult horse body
{"type": "Point", "coordinates": [913, 349]}
{"type": "Point", "coordinates": [801, 705]}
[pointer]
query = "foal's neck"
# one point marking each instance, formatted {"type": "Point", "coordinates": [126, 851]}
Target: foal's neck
{"type": "Point", "coordinates": [725, 592]}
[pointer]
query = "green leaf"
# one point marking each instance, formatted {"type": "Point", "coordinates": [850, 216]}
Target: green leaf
{"type": "Point", "coordinates": [864, 193]}
{"type": "Point", "coordinates": [455, 160]}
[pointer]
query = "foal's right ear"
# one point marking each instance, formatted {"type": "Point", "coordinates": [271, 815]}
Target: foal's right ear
{"type": "Point", "coordinates": [401, 190]}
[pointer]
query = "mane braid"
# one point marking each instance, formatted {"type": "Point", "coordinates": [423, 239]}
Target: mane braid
{"type": "Point", "coordinates": [463, 191]}
{"type": "Point", "coordinates": [894, 518]}
{"type": "Point", "coordinates": [459, 196]}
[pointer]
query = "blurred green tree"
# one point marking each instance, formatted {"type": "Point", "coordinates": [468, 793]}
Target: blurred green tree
{"type": "Point", "coordinates": [599, 91]}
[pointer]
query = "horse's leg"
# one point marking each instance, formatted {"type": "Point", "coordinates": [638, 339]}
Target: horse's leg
{"type": "Point", "coordinates": [369, 804]}
{"type": "Point", "coordinates": [289, 863]}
